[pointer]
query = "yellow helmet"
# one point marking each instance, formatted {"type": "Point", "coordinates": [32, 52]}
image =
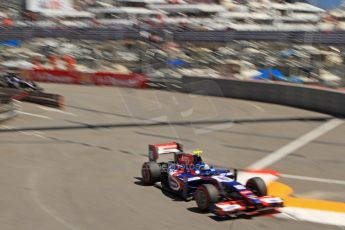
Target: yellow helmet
{"type": "Point", "coordinates": [198, 152]}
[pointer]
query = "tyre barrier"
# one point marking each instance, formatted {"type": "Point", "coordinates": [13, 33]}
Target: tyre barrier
{"type": "Point", "coordinates": [317, 99]}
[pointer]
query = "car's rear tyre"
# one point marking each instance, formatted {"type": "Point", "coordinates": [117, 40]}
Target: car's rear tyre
{"type": "Point", "coordinates": [257, 185]}
{"type": "Point", "coordinates": [151, 173]}
{"type": "Point", "coordinates": [206, 195]}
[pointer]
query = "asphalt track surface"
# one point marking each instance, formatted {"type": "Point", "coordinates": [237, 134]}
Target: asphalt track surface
{"type": "Point", "coordinates": [79, 168]}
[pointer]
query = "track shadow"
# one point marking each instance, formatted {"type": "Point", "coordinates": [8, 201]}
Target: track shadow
{"type": "Point", "coordinates": [196, 210]}
{"type": "Point", "coordinates": [82, 126]}
{"type": "Point", "coordinates": [99, 111]}
{"type": "Point", "coordinates": [165, 192]}
{"type": "Point", "coordinates": [228, 218]}
{"type": "Point", "coordinates": [257, 150]}
{"type": "Point", "coordinates": [215, 217]}
{"type": "Point", "coordinates": [162, 136]}
{"type": "Point", "coordinates": [48, 142]}
{"type": "Point", "coordinates": [139, 181]}
{"type": "Point", "coordinates": [171, 195]}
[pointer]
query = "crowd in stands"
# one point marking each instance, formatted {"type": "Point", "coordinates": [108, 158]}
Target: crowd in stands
{"type": "Point", "coordinates": [252, 15]}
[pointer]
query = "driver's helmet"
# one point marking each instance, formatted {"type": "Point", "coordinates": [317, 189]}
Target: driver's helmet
{"type": "Point", "coordinates": [205, 167]}
{"type": "Point", "coordinates": [197, 152]}
{"type": "Point", "coordinates": [197, 156]}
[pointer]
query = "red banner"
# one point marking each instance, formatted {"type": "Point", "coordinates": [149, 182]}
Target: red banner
{"type": "Point", "coordinates": [74, 77]}
{"type": "Point", "coordinates": [56, 76]}
{"type": "Point", "coordinates": [124, 80]}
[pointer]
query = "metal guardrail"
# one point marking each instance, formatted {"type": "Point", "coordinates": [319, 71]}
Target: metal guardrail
{"type": "Point", "coordinates": [334, 37]}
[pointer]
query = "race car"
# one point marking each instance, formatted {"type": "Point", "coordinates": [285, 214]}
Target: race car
{"type": "Point", "coordinates": [11, 80]}
{"type": "Point", "coordinates": [214, 189]}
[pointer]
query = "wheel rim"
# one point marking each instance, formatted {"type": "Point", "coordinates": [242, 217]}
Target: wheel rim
{"type": "Point", "coordinates": [202, 199]}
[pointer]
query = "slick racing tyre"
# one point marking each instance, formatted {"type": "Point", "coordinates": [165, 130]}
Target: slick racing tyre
{"type": "Point", "coordinates": [151, 173]}
{"type": "Point", "coordinates": [257, 186]}
{"type": "Point", "coordinates": [206, 195]}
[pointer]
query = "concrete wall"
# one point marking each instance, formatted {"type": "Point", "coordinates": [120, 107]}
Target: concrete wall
{"type": "Point", "coordinates": [315, 99]}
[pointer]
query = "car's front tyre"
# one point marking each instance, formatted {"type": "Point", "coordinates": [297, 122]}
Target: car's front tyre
{"type": "Point", "coordinates": [257, 185]}
{"type": "Point", "coordinates": [206, 195]}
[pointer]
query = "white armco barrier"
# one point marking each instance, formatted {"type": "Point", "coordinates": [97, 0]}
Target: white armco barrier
{"type": "Point", "coordinates": [317, 99]}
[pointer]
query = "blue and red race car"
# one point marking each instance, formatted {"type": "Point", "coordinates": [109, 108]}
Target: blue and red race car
{"type": "Point", "coordinates": [214, 189]}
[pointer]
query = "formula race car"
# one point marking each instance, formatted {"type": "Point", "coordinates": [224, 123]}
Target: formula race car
{"type": "Point", "coordinates": [214, 189]}
{"type": "Point", "coordinates": [11, 80]}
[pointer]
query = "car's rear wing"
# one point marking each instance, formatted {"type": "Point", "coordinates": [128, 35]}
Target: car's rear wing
{"type": "Point", "coordinates": [168, 148]}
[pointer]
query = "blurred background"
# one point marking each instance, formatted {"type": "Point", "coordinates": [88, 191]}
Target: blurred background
{"type": "Point", "coordinates": [271, 40]}
{"type": "Point", "coordinates": [71, 154]}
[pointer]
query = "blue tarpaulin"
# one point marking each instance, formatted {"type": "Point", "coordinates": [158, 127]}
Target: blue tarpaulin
{"type": "Point", "coordinates": [271, 74]}
{"type": "Point", "coordinates": [14, 43]}
{"type": "Point", "coordinates": [177, 62]}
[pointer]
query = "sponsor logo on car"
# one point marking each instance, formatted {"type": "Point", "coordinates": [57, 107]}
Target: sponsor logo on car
{"type": "Point", "coordinates": [173, 183]}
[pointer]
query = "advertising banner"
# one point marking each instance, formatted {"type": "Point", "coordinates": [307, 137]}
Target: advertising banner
{"type": "Point", "coordinates": [48, 5]}
{"type": "Point", "coordinates": [56, 76]}
{"type": "Point", "coordinates": [124, 80]}
{"type": "Point", "coordinates": [75, 77]}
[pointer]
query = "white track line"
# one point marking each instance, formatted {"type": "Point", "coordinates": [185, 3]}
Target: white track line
{"type": "Point", "coordinates": [16, 101]}
{"type": "Point", "coordinates": [296, 144]}
{"type": "Point", "coordinates": [32, 182]}
{"type": "Point", "coordinates": [329, 181]}
{"type": "Point", "coordinates": [7, 127]}
{"type": "Point", "coordinates": [255, 106]}
{"type": "Point", "coordinates": [57, 111]}
{"type": "Point", "coordinates": [34, 115]}
{"type": "Point", "coordinates": [212, 128]}
{"type": "Point", "coordinates": [31, 133]}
